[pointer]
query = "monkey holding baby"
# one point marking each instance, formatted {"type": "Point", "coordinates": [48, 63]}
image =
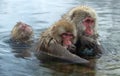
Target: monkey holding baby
{"type": "Point", "coordinates": [59, 40]}
{"type": "Point", "coordinates": [76, 29]}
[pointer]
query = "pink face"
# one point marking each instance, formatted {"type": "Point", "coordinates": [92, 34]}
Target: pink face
{"type": "Point", "coordinates": [88, 22]}
{"type": "Point", "coordinates": [25, 27]}
{"type": "Point", "coordinates": [66, 38]}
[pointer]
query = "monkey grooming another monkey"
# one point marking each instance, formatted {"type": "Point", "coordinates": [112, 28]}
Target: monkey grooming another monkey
{"type": "Point", "coordinates": [21, 33]}
{"type": "Point", "coordinates": [85, 20]}
{"type": "Point", "coordinates": [58, 40]}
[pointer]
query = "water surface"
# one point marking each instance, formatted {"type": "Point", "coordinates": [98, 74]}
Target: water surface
{"type": "Point", "coordinates": [41, 14]}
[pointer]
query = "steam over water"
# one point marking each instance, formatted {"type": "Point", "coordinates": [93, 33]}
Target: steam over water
{"type": "Point", "coordinates": [40, 14]}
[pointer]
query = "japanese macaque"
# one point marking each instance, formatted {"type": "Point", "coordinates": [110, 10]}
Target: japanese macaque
{"type": "Point", "coordinates": [85, 20]}
{"type": "Point", "coordinates": [58, 41]}
{"type": "Point", "coordinates": [22, 32]}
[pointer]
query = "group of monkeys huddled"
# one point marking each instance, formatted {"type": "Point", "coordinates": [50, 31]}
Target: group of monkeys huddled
{"type": "Point", "coordinates": [68, 38]}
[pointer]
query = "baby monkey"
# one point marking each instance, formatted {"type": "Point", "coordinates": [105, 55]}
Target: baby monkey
{"type": "Point", "coordinates": [22, 32]}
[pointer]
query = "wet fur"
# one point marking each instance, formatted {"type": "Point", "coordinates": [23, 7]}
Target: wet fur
{"type": "Point", "coordinates": [52, 35]}
{"type": "Point", "coordinates": [21, 36]}
{"type": "Point", "coordinates": [76, 16]}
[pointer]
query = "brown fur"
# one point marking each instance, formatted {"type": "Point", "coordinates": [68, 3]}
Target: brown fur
{"type": "Point", "coordinates": [52, 35]}
{"type": "Point", "coordinates": [50, 43]}
{"type": "Point", "coordinates": [19, 35]}
{"type": "Point", "coordinates": [76, 16]}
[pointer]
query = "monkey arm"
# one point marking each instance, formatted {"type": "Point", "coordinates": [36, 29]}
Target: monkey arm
{"type": "Point", "coordinates": [72, 48]}
{"type": "Point", "coordinates": [98, 49]}
{"type": "Point", "coordinates": [61, 52]}
{"type": "Point", "coordinates": [90, 46]}
{"type": "Point", "coordinates": [90, 42]}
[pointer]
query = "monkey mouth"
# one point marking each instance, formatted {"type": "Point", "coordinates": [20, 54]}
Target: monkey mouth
{"type": "Point", "coordinates": [89, 31]}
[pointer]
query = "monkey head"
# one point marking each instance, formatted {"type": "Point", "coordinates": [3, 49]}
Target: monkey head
{"type": "Point", "coordinates": [64, 33]}
{"type": "Point", "coordinates": [85, 19]}
{"type": "Point", "coordinates": [22, 32]}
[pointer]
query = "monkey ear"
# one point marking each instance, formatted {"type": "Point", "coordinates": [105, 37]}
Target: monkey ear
{"type": "Point", "coordinates": [72, 16]}
{"type": "Point", "coordinates": [53, 29]}
{"type": "Point", "coordinates": [19, 22]}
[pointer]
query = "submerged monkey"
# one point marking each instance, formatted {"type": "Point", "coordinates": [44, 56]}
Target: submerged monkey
{"type": "Point", "coordinates": [21, 40]}
{"type": "Point", "coordinates": [22, 32]}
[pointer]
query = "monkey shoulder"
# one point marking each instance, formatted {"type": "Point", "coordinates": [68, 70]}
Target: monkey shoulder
{"type": "Point", "coordinates": [45, 41]}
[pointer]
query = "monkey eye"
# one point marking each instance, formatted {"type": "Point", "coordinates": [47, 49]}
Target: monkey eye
{"type": "Point", "coordinates": [88, 20]}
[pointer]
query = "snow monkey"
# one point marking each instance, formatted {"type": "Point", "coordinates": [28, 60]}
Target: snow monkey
{"type": "Point", "coordinates": [22, 32]}
{"type": "Point", "coordinates": [59, 40]}
{"type": "Point", "coordinates": [85, 20]}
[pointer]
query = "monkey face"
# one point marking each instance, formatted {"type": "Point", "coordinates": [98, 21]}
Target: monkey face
{"type": "Point", "coordinates": [88, 22]}
{"type": "Point", "coordinates": [22, 32]}
{"type": "Point", "coordinates": [64, 29]}
{"type": "Point", "coordinates": [25, 28]}
{"type": "Point", "coordinates": [84, 19]}
{"type": "Point", "coordinates": [85, 22]}
{"type": "Point", "coordinates": [67, 39]}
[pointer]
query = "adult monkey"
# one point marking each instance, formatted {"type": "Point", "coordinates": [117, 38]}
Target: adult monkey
{"type": "Point", "coordinates": [57, 41]}
{"type": "Point", "coordinates": [85, 20]}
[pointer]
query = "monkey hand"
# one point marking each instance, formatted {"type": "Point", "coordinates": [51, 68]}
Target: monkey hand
{"type": "Point", "coordinates": [89, 42]}
{"type": "Point", "coordinates": [93, 45]}
{"type": "Point", "coordinates": [97, 50]}
{"type": "Point", "coordinates": [72, 48]}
